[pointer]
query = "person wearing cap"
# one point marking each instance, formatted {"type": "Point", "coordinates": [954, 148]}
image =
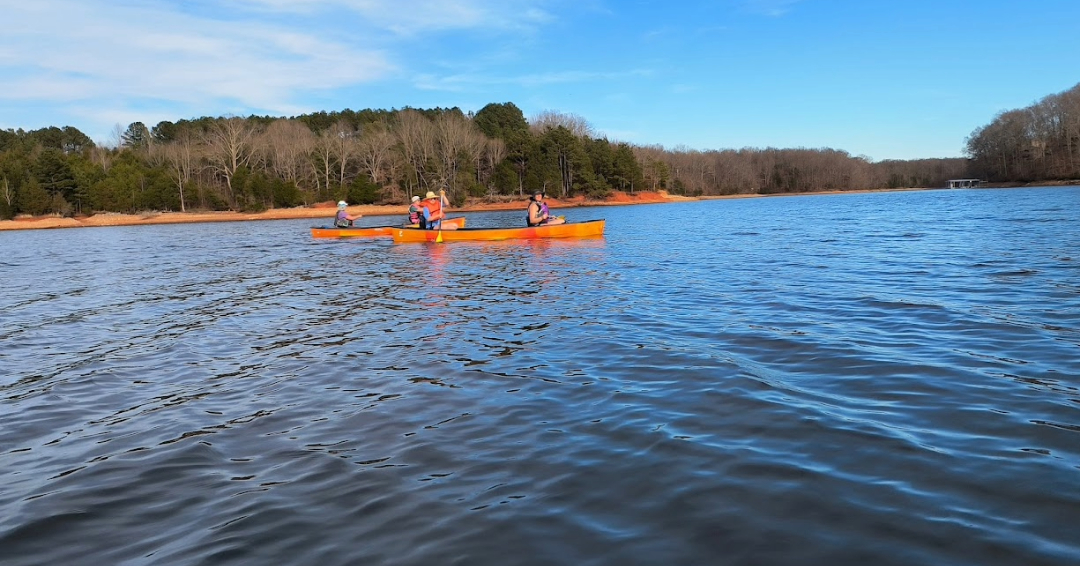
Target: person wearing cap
{"type": "Point", "coordinates": [343, 218]}
{"type": "Point", "coordinates": [433, 210]}
{"type": "Point", "coordinates": [416, 211]}
{"type": "Point", "coordinates": [538, 213]}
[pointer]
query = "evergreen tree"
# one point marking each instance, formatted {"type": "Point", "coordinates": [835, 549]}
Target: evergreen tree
{"type": "Point", "coordinates": [73, 141]}
{"type": "Point", "coordinates": [136, 136]}
{"type": "Point", "coordinates": [565, 152]}
{"type": "Point", "coordinates": [363, 191]}
{"type": "Point", "coordinates": [503, 121]}
{"type": "Point", "coordinates": [51, 137]}
{"type": "Point", "coordinates": [54, 173]}
{"type": "Point", "coordinates": [286, 194]}
{"type": "Point", "coordinates": [627, 173]}
{"type": "Point", "coordinates": [165, 132]}
{"type": "Point", "coordinates": [33, 199]}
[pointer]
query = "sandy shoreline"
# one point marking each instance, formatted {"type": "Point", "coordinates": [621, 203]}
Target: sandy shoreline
{"type": "Point", "coordinates": [322, 211]}
{"type": "Point", "coordinates": [326, 210]}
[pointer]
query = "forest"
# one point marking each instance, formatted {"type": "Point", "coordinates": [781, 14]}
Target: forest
{"type": "Point", "coordinates": [1033, 144]}
{"type": "Point", "coordinates": [384, 156]}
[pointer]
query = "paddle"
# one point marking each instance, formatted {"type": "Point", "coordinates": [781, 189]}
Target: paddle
{"type": "Point", "coordinates": [442, 207]}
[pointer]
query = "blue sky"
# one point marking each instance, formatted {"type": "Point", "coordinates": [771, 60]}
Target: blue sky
{"type": "Point", "coordinates": [888, 79]}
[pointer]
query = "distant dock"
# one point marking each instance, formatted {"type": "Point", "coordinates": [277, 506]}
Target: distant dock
{"type": "Point", "coordinates": [964, 183]}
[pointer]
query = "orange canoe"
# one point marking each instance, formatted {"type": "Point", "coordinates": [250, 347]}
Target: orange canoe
{"type": "Point", "coordinates": [373, 231]}
{"type": "Point", "coordinates": [590, 229]}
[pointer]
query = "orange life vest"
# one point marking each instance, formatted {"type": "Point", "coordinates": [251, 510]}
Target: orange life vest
{"type": "Point", "coordinates": [434, 206]}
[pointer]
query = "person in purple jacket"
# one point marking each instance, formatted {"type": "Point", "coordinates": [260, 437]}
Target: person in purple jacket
{"type": "Point", "coordinates": [343, 218]}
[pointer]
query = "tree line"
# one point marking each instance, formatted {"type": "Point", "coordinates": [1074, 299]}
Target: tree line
{"type": "Point", "coordinates": [1037, 143]}
{"type": "Point", "coordinates": [385, 156]}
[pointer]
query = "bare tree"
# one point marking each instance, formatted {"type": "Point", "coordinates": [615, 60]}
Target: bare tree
{"type": "Point", "coordinates": [286, 145]}
{"type": "Point", "coordinates": [494, 153]}
{"type": "Point", "coordinates": [550, 119]}
{"type": "Point", "coordinates": [7, 192]}
{"type": "Point", "coordinates": [1041, 141]}
{"type": "Point", "coordinates": [322, 160]}
{"type": "Point", "coordinates": [692, 170]}
{"type": "Point", "coordinates": [1057, 131]}
{"type": "Point", "coordinates": [653, 165]}
{"type": "Point", "coordinates": [374, 151]}
{"type": "Point", "coordinates": [229, 144]}
{"type": "Point", "coordinates": [1069, 105]}
{"type": "Point", "coordinates": [346, 147]}
{"type": "Point", "coordinates": [734, 172]}
{"type": "Point", "coordinates": [116, 140]}
{"type": "Point", "coordinates": [457, 139]}
{"type": "Point", "coordinates": [180, 156]}
{"type": "Point", "coordinates": [416, 137]}
{"type": "Point", "coordinates": [102, 156]}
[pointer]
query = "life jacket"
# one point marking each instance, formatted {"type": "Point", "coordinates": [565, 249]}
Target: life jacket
{"type": "Point", "coordinates": [435, 212]}
{"type": "Point", "coordinates": [415, 213]}
{"type": "Point", "coordinates": [340, 221]}
{"type": "Point", "coordinates": [543, 210]}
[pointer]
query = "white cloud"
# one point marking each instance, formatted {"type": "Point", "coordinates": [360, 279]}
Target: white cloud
{"type": "Point", "coordinates": [135, 52]}
{"type": "Point", "coordinates": [204, 57]}
{"type": "Point", "coordinates": [409, 17]}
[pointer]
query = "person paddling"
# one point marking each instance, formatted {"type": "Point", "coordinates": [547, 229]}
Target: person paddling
{"type": "Point", "coordinates": [538, 213]}
{"type": "Point", "coordinates": [343, 218]}
{"type": "Point", "coordinates": [434, 210]}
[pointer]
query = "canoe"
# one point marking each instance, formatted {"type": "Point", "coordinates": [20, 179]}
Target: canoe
{"type": "Point", "coordinates": [372, 231]}
{"type": "Point", "coordinates": [589, 229]}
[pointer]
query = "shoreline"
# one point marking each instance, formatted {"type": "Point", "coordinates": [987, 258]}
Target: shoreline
{"type": "Point", "coordinates": [322, 210]}
{"type": "Point", "coordinates": [327, 210]}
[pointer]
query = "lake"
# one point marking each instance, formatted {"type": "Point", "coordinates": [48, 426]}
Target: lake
{"type": "Point", "coordinates": [881, 378]}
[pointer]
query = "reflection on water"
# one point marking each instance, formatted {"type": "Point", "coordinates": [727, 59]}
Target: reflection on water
{"type": "Point", "coordinates": [886, 378]}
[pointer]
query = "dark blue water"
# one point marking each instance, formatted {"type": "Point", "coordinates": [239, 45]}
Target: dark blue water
{"type": "Point", "coordinates": [883, 379]}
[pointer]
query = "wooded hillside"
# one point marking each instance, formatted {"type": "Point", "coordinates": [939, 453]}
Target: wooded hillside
{"type": "Point", "coordinates": [1037, 143]}
{"type": "Point", "coordinates": [385, 156]}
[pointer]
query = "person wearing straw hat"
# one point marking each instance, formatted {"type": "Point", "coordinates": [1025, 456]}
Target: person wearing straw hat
{"type": "Point", "coordinates": [433, 210]}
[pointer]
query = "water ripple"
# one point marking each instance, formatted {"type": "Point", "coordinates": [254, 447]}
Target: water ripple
{"type": "Point", "coordinates": [825, 380]}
